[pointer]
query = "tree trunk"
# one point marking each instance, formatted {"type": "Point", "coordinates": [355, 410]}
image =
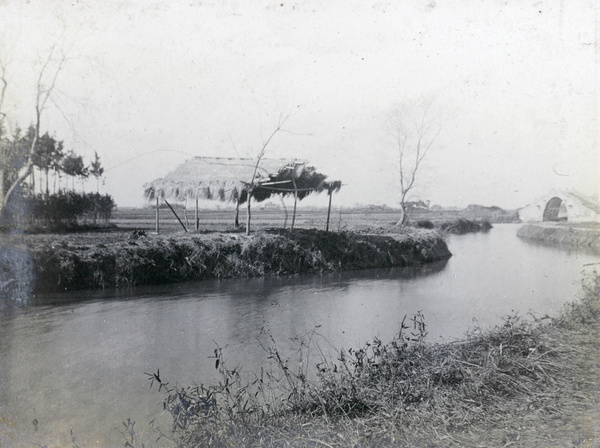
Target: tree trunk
{"type": "Point", "coordinates": [403, 216]}
{"type": "Point", "coordinates": [402, 219]}
{"type": "Point", "coordinates": [32, 174]}
{"type": "Point", "coordinates": [6, 194]}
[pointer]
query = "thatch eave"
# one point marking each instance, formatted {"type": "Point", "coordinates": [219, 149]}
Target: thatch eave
{"type": "Point", "coordinates": [229, 180]}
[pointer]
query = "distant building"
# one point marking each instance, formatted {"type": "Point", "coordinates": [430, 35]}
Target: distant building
{"type": "Point", "coordinates": [417, 205]}
{"type": "Point", "coordinates": [270, 206]}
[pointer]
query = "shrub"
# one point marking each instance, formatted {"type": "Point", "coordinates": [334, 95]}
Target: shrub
{"type": "Point", "coordinates": [424, 224]}
{"type": "Point", "coordinates": [59, 211]}
{"type": "Point", "coordinates": [461, 226]}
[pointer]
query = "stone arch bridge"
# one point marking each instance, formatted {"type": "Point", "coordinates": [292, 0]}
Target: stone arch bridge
{"type": "Point", "coordinates": [561, 206]}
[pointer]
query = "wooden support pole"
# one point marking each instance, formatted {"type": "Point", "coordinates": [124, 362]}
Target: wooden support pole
{"type": "Point", "coordinates": [328, 211]}
{"type": "Point", "coordinates": [236, 222]}
{"type": "Point", "coordinates": [284, 211]}
{"type": "Point", "coordinates": [295, 202]}
{"type": "Point", "coordinates": [248, 214]}
{"type": "Point", "coordinates": [180, 222]}
{"type": "Point", "coordinates": [157, 216]}
{"type": "Point", "coordinates": [197, 215]}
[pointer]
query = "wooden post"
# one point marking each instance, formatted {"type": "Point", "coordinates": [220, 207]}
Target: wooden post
{"type": "Point", "coordinates": [248, 212]}
{"type": "Point", "coordinates": [284, 211]}
{"type": "Point", "coordinates": [328, 211]}
{"type": "Point", "coordinates": [236, 222]}
{"type": "Point", "coordinates": [176, 216]}
{"type": "Point", "coordinates": [295, 201]}
{"type": "Point", "coordinates": [157, 215]}
{"type": "Point", "coordinates": [197, 215]}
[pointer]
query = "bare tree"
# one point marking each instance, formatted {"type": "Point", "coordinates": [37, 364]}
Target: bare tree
{"type": "Point", "coordinates": [46, 82]}
{"type": "Point", "coordinates": [261, 154]}
{"type": "Point", "coordinates": [414, 130]}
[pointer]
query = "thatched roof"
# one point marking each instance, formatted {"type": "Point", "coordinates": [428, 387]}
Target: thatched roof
{"type": "Point", "coordinates": [228, 179]}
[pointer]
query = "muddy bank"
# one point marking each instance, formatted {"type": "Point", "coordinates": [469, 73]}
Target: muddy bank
{"type": "Point", "coordinates": [55, 263]}
{"type": "Point", "coordinates": [586, 237]}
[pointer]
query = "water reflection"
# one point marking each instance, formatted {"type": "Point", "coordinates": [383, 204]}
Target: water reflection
{"type": "Point", "coordinates": [16, 276]}
{"type": "Point", "coordinates": [78, 359]}
{"type": "Point", "coordinates": [260, 287]}
{"type": "Point", "coordinates": [568, 248]}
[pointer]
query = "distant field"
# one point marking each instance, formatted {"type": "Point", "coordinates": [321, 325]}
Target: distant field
{"type": "Point", "coordinates": [211, 220]}
{"type": "Point", "coordinates": [341, 219]}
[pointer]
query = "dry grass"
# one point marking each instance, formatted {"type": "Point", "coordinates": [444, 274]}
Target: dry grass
{"type": "Point", "coordinates": [525, 383]}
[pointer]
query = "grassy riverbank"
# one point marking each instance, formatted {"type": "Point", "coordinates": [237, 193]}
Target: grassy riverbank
{"type": "Point", "coordinates": [525, 383]}
{"type": "Point", "coordinates": [92, 261]}
{"type": "Point", "coordinates": [584, 236]}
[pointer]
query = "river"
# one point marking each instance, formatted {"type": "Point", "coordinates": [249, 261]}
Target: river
{"type": "Point", "coordinates": [78, 360]}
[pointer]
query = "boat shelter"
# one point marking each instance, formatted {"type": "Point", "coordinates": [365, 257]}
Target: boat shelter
{"type": "Point", "coordinates": [237, 180]}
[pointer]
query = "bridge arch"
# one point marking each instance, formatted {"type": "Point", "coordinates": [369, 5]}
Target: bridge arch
{"type": "Point", "coordinates": [555, 210]}
{"type": "Point", "coordinates": [560, 205]}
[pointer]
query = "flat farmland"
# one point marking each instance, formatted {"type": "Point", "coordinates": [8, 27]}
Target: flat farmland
{"type": "Point", "coordinates": [308, 218]}
{"type": "Point", "coordinates": [220, 220]}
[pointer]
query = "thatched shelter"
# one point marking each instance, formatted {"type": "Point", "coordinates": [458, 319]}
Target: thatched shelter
{"type": "Point", "coordinates": [235, 179]}
{"type": "Point", "coordinates": [217, 178]}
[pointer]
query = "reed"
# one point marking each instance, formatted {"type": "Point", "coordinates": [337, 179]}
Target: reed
{"type": "Point", "coordinates": [504, 386]}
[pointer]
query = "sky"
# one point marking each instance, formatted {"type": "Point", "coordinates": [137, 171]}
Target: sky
{"type": "Point", "coordinates": [150, 84]}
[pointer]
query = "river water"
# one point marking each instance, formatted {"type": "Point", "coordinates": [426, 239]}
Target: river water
{"type": "Point", "coordinates": [78, 360]}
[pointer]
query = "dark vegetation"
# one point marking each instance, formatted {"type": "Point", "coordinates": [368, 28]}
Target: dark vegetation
{"type": "Point", "coordinates": [37, 184]}
{"type": "Point", "coordinates": [62, 263]}
{"type": "Point", "coordinates": [458, 226]}
{"type": "Point", "coordinates": [526, 383]}
{"type": "Point", "coordinates": [461, 226]}
{"type": "Point", "coordinates": [62, 212]}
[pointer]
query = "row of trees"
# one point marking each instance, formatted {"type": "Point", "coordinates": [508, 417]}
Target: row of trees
{"type": "Point", "coordinates": [49, 158]}
{"type": "Point", "coordinates": [25, 156]}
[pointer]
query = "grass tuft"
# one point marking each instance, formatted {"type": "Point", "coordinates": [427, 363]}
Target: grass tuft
{"type": "Point", "coordinates": [506, 386]}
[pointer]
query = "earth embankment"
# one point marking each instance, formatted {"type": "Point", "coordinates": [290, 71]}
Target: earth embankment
{"type": "Point", "coordinates": [576, 236]}
{"type": "Point", "coordinates": [48, 263]}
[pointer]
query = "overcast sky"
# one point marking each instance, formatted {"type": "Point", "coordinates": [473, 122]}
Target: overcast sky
{"type": "Point", "coordinates": [148, 84]}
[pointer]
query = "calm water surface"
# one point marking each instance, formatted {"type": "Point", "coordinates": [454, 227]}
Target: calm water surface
{"type": "Point", "coordinates": [78, 360]}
